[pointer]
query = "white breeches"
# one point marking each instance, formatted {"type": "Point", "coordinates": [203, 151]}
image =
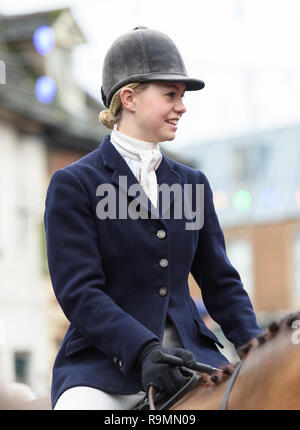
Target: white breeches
{"type": "Point", "coordinates": [88, 398]}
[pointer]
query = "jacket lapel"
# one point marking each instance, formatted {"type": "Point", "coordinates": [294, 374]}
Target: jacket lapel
{"type": "Point", "coordinates": [172, 181]}
{"type": "Point", "coordinates": [123, 178]}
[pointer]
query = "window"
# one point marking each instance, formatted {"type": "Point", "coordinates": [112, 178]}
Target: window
{"type": "Point", "coordinates": [249, 162]}
{"type": "Point", "coordinates": [22, 366]}
{"type": "Point", "coordinates": [239, 252]}
{"type": "Point", "coordinates": [43, 253]}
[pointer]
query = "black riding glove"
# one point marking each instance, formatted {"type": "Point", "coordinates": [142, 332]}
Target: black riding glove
{"type": "Point", "coordinates": [164, 377]}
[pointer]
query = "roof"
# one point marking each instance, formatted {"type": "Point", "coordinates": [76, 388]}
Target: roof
{"type": "Point", "coordinates": [22, 70]}
{"type": "Point", "coordinates": [255, 177]}
{"type": "Point", "coordinates": [17, 95]}
{"type": "Point", "coordinates": [16, 28]}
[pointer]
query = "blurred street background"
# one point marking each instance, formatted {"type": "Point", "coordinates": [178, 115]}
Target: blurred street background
{"type": "Point", "coordinates": [242, 131]}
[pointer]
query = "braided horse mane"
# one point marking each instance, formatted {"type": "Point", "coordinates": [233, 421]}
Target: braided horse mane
{"type": "Point", "coordinates": [269, 377]}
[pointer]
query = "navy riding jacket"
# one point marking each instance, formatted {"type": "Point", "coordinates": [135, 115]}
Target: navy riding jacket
{"type": "Point", "coordinates": [118, 278]}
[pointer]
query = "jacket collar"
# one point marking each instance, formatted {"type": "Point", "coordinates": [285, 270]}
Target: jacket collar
{"type": "Point", "coordinates": [117, 165]}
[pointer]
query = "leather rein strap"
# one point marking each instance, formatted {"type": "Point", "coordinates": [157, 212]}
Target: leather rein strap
{"type": "Point", "coordinates": [190, 384]}
{"type": "Point", "coordinates": [229, 386]}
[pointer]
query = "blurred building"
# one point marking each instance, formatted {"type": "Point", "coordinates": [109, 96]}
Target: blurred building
{"type": "Point", "coordinates": [38, 136]}
{"type": "Point", "coordinates": [256, 185]}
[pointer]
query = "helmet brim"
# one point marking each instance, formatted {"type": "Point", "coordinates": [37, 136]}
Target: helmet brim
{"type": "Point", "coordinates": [191, 84]}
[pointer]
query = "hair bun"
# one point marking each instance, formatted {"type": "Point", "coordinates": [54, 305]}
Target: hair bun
{"type": "Point", "coordinates": [107, 119]}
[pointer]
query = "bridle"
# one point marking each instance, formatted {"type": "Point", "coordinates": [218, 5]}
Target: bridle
{"type": "Point", "coordinates": [243, 351]}
{"type": "Point", "coordinates": [152, 398]}
{"type": "Point", "coordinates": [229, 386]}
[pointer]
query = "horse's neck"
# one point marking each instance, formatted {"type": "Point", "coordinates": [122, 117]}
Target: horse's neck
{"type": "Point", "coordinates": [269, 379]}
{"type": "Point", "coordinates": [270, 376]}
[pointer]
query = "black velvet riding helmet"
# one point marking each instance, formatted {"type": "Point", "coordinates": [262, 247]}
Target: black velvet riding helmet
{"type": "Point", "coordinates": [143, 55]}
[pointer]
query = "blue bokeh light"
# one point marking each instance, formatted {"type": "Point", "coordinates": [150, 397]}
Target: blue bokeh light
{"type": "Point", "coordinates": [45, 89]}
{"type": "Point", "coordinates": [44, 39]}
{"type": "Point", "coordinates": [269, 198]}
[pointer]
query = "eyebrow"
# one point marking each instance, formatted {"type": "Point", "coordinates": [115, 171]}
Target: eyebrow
{"type": "Point", "coordinates": [174, 86]}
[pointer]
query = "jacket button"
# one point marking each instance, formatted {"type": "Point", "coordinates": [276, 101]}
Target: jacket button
{"type": "Point", "coordinates": [163, 291]}
{"type": "Point", "coordinates": [161, 234]}
{"type": "Point", "coordinates": [117, 361]}
{"type": "Point", "coordinates": [163, 262]}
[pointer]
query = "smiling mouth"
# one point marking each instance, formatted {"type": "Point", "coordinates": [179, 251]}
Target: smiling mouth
{"type": "Point", "coordinates": [172, 121]}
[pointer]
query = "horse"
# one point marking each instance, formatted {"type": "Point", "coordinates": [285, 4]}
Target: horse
{"type": "Point", "coordinates": [19, 396]}
{"type": "Point", "coordinates": [266, 378]}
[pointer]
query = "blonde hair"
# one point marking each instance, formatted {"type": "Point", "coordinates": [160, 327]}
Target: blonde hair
{"type": "Point", "coordinates": [112, 115]}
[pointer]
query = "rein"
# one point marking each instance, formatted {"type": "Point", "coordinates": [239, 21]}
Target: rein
{"type": "Point", "coordinates": [232, 372]}
{"type": "Point", "coordinates": [229, 386]}
{"type": "Point", "coordinates": [152, 398]}
{"type": "Point", "coordinates": [191, 383]}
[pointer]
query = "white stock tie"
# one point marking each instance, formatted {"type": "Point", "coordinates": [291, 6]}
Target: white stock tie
{"type": "Point", "coordinates": [142, 157]}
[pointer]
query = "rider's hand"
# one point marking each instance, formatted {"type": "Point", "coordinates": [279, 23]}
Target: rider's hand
{"type": "Point", "coordinates": [164, 377]}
